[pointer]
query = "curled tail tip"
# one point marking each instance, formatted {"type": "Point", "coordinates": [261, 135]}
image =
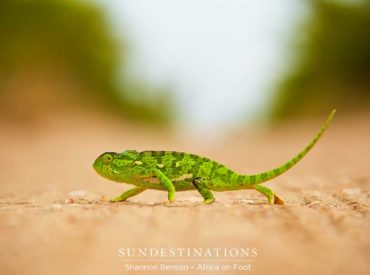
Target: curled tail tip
{"type": "Point", "coordinates": [331, 115]}
{"type": "Point", "coordinates": [262, 177]}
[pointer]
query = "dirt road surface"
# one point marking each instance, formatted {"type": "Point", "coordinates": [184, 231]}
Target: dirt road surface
{"type": "Point", "coordinates": [55, 217]}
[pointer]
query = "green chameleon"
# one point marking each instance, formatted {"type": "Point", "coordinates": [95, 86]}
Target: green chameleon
{"type": "Point", "coordinates": [175, 171]}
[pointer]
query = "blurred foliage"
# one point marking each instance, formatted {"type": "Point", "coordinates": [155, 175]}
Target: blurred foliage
{"type": "Point", "coordinates": [332, 67]}
{"type": "Point", "coordinates": [73, 37]}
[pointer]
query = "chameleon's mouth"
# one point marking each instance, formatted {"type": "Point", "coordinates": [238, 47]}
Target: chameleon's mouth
{"type": "Point", "coordinates": [97, 165]}
{"type": "Point", "coordinates": [102, 169]}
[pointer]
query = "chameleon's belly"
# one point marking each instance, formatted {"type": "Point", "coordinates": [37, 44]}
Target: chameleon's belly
{"type": "Point", "coordinates": [183, 186]}
{"type": "Point", "coordinates": [179, 186]}
{"type": "Point", "coordinates": [154, 183]}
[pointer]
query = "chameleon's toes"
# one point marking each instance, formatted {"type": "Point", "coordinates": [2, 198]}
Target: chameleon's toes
{"type": "Point", "coordinates": [117, 199]}
{"type": "Point", "coordinates": [209, 201]}
{"type": "Point", "coordinates": [270, 200]}
{"type": "Point", "coordinates": [171, 197]}
{"type": "Point", "coordinates": [278, 200]}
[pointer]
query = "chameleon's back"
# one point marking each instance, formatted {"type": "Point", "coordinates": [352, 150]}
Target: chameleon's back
{"type": "Point", "coordinates": [182, 168]}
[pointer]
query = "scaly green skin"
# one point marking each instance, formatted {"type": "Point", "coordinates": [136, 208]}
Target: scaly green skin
{"type": "Point", "coordinates": [175, 171]}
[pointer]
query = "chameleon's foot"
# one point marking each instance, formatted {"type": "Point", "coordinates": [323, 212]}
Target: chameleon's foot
{"type": "Point", "coordinates": [272, 198]}
{"type": "Point", "coordinates": [209, 200]}
{"type": "Point", "coordinates": [129, 193]}
{"type": "Point", "coordinates": [117, 199]}
{"type": "Point", "coordinates": [203, 190]}
{"type": "Point", "coordinates": [171, 196]}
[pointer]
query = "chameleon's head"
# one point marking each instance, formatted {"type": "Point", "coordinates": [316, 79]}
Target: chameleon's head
{"type": "Point", "coordinates": [115, 166]}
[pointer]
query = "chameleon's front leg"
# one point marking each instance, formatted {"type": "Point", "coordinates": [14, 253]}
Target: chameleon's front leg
{"type": "Point", "coordinates": [203, 190]}
{"type": "Point", "coordinates": [129, 193]}
{"type": "Point", "coordinates": [167, 183]}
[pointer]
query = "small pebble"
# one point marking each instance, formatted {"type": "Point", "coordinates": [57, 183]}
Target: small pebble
{"type": "Point", "coordinates": [352, 191]}
{"type": "Point", "coordinates": [245, 201]}
{"type": "Point", "coordinates": [56, 206]}
{"type": "Point", "coordinates": [77, 193]}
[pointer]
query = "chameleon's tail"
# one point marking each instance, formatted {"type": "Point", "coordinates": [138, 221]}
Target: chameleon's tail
{"type": "Point", "coordinates": [262, 177]}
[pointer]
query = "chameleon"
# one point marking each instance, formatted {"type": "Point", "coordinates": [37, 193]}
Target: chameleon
{"type": "Point", "coordinates": [173, 171]}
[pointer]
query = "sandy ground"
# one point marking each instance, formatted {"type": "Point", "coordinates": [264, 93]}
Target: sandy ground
{"type": "Point", "coordinates": [55, 217]}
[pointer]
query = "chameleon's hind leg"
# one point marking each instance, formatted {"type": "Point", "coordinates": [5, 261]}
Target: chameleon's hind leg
{"type": "Point", "coordinates": [203, 190]}
{"type": "Point", "coordinates": [129, 193]}
{"type": "Point", "coordinates": [167, 183]}
{"type": "Point", "coordinates": [272, 198]}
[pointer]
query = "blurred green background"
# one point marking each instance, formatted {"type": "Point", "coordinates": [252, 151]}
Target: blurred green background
{"type": "Point", "coordinates": [330, 65]}
{"type": "Point", "coordinates": [60, 56]}
{"type": "Point", "coordinates": [63, 55]}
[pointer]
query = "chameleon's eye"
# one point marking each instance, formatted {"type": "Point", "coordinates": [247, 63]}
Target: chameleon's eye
{"type": "Point", "coordinates": [107, 158]}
